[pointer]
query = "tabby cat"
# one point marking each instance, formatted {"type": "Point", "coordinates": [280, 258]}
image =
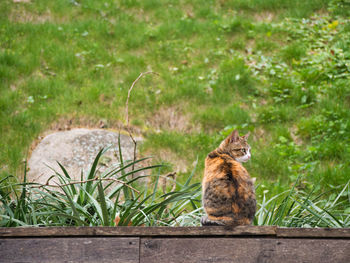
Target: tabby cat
{"type": "Point", "coordinates": [228, 191]}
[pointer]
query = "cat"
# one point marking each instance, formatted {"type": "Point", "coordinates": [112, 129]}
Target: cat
{"type": "Point", "coordinates": [228, 193]}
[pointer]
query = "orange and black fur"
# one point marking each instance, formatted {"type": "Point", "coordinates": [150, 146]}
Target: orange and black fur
{"type": "Point", "coordinates": [228, 191]}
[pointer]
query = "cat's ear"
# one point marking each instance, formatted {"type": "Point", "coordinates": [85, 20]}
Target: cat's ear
{"type": "Point", "coordinates": [245, 137]}
{"type": "Point", "coordinates": [234, 137]}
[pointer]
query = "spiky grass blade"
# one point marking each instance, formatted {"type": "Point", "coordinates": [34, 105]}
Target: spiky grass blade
{"type": "Point", "coordinates": [102, 200]}
{"type": "Point", "coordinates": [11, 219]}
{"type": "Point", "coordinates": [72, 188]}
{"type": "Point", "coordinates": [92, 172]}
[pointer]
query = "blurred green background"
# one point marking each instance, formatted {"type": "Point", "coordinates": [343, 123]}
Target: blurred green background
{"type": "Point", "coordinates": [279, 69]}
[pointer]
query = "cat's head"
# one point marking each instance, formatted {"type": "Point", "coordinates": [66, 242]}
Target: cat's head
{"type": "Point", "coordinates": [236, 146]}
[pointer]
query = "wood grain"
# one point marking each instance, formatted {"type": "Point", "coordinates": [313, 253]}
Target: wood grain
{"type": "Point", "coordinates": [176, 250]}
{"type": "Point", "coordinates": [51, 250]}
{"type": "Point", "coordinates": [174, 244]}
{"type": "Point", "coordinates": [214, 231]}
{"type": "Point", "coordinates": [313, 232]}
{"type": "Point", "coordinates": [312, 250]}
{"type": "Point", "coordinates": [137, 231]}
{"type": "Point", "coordinates": [202, 250]}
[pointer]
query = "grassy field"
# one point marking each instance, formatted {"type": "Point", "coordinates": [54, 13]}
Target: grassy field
{"type": "Point", "coordinates": [279, 69]}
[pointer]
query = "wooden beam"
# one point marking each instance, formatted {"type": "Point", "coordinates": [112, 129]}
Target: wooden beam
{"type": "Point", "coordinates": [214, 231]}
{"type": "Point", "coordinates": [137, 231]}
{"type": "Point", "coordinates": [231, 250]}
{"type": "Point", "coordinates": [174, 244]}
{"type": "Point", "coordinates": [313, 232]}
{"type": "Point", "coordinates": [52, 250]}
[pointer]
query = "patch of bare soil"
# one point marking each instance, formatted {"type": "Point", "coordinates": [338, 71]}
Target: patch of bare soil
{"type": "Point", "coordinates": [20, 15]}
{"type": "Point", "coordinates": [265, 17]}
{"type": "Point", "coordinates": [293, 133]}
{"type": "Point", "coordinates": [171, 118]}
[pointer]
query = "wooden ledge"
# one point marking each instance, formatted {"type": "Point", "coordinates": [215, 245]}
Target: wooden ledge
{"type": "Point", "coordinates": [213, 231]}
{"type": "Point", "coordinates": [343, 233]}
{"type": "Point", "coordinates": [129, 231]}
{"type": "Point", "coordinates": [249, 244]}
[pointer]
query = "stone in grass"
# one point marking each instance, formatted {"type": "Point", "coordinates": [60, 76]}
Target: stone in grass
{"type": "Point", "coordinates": [76, 150]}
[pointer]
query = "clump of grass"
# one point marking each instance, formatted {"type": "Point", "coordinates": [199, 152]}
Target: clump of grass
{"type": "Point", "coordinates": [296, 8]}
{"type": "Point", "coordinates": [298, 208]}
{"type": "Point", "coordinates": [233, 75]}
{"type": "Point", "coordinates": [96, 200]}
{"type": "Point", "coordinates": [90, 202]}
{"type": "Point", "coordinates": [294, 51]}
{"type": "Point", "coordinates": [215, 117]}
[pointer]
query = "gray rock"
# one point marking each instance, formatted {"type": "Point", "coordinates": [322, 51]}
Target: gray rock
{"type": "Point", "coordinates": [76, 150]}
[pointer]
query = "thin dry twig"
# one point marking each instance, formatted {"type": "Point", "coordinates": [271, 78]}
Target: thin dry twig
{"type": "Point", "coordinates": [164, 180]}
{"type": "Point", "coordinates": [127, 110]}
{"type": "Point", "coordinates": [85, 181]}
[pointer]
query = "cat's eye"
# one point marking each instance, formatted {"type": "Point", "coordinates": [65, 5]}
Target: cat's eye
{"type": "Point", "coordinates": [244, 150]}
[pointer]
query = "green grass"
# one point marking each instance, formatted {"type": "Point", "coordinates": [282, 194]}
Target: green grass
{"type": "Point", "coordinates": [99, 198]}
{"type": "Point", "coordinates": [279, 69]}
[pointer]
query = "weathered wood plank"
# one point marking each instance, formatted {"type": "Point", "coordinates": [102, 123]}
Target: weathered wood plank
{"type": "Point", "coordinates": [174, 250]}
{"type": "Point", "coordinates": [313, 232]}
{"type": "Point", "coordinates": [313, 250]}
{"type": "Point", "coordinates": [138, 231]}
{"type": "Point", "coordinates": [342, 233]}
{"type": "Point", "coordinates": [51, 250]}
{"type": "Point", "coordinates": [190, 250]}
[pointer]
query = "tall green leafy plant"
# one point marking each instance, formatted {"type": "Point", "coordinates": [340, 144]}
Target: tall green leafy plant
{"type": "Point", "coordinates": [297, 208]}
{"type": "Point", "coordinates": [97, 199]}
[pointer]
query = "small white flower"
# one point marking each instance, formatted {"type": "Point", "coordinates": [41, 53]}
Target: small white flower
{"type": "Point", "coordinates": [30, 99]}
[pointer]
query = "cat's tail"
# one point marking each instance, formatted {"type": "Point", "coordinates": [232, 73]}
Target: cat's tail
{"type": "Point", "coordinates": [205, 221]}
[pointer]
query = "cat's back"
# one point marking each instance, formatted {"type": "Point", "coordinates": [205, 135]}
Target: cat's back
{"type": "Point", "coordinates": [222, 166]}
{"type": "Point", "coordinates": [228, 190]}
